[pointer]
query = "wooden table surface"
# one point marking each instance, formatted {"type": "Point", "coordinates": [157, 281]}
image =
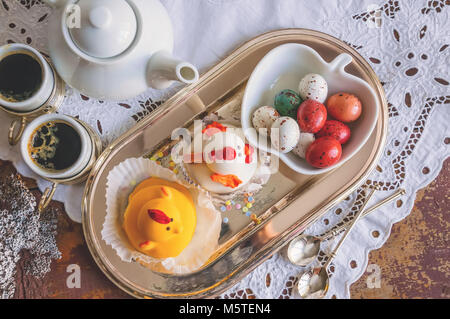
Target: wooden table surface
{"type": "Point", "coordinates": [414, 262]}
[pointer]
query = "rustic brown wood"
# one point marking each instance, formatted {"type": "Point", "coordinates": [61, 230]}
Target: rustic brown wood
{"type": "Point", "coordinates": [74, 251]}
{"type": "Point", "coordinates": [414, 262]}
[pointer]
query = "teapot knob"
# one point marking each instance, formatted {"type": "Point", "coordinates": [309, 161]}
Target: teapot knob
{"type": "Point", "coordinates": [100, 17]}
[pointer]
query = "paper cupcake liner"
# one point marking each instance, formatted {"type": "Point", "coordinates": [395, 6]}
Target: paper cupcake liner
{"type": "Point", "coordinates": [121, 181]}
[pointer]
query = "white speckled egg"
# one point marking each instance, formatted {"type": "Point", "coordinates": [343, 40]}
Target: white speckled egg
{"type": "Point", "coordinates": [264, 117]}
{"type": "Point", "coordinates": [304, 142]}
{"type": "Point", "coordinates": [286, 137]}
{"type": "Point", "coordinates": [313, 87]}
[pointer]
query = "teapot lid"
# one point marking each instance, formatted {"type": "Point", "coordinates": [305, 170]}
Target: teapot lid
{"type": "Point", "coordinates": [107, 27]}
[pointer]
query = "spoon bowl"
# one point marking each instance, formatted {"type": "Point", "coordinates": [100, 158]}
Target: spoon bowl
{"type": "Point", "coordinates": [313, 283]}
{"type": "Point", "coordinates": [303, 250]}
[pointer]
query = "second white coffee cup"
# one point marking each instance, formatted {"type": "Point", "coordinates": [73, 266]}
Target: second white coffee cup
{"type": "Point", "coordinates": [43, 92]}
{"type": "Point", "coordinates": [79, 164]}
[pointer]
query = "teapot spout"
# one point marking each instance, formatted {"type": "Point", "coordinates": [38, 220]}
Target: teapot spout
{"type": "Point", "coordinates": [163, 69]}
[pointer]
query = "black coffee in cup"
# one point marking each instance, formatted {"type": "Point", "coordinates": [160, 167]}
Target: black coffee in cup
{"type": "Point", "coordinates": [55, 146]}
{"type": "Point", "coordinates": [20, 77]}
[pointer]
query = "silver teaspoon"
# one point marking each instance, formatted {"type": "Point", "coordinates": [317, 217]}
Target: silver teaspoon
{"type": "Point", "coordinates": [304, 249]}
{"type": "Point", "coordinates": [315, 282]}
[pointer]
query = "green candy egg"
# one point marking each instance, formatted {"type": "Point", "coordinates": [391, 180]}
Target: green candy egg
{"type": "Point", "coordinates": [287, 103]}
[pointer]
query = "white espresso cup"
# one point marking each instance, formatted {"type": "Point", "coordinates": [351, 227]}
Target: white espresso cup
{"type": "Point", "coordinates": [87, 148]}
{"type": "Point", "coordinates": [42, 93]}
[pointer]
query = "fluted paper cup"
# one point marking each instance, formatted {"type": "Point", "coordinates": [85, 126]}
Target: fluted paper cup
{"type": "Point", "coordinates": [121, 181]}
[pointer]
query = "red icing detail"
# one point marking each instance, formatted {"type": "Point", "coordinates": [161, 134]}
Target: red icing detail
{"type": "Point", "coordinates": [144, 244]}
{"type": "Point", "coordinates": [228, 154]}
{"type": "Point", "coordinates": [231, 181]}
{"type": "Point", "coordinates": [249, 150]}
{"type": "Point", "coordinates": [158, 216]}
{"type": "Point", "coordinates": [163, 189]}
{"type": "Point", "coordinates": [214, 128]}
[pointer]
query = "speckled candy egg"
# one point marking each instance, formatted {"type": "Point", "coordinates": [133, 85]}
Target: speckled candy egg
{"type": "Point", "coordinates": [306, 139]}
{"type": "Point", "coordinates": [285, 134]}
{"type": "Point", "coordinates": [324, 152]}
{"type": "Point", "coordinates": [263, 118]}
{"type": "Point", "coordinates": [314, 87]}
{"type": "Point", "coordinates": [287, 103]}
{"type": "Point", "coordinates": [344, 107]}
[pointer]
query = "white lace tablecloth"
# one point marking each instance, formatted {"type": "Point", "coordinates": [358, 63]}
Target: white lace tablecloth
{"type": "Point", "coordinates": [407, 45]}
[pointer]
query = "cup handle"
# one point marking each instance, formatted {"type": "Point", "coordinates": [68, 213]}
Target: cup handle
{"type": "Point", "coordinates": [47, 197]}
{"type": "Point", "coordinates": [13, 140]}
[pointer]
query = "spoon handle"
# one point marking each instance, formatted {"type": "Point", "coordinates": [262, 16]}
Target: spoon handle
{"type": "Point", "coordinates": [332, 255]}
{"type": "Point", "coordinates": [333, 233]}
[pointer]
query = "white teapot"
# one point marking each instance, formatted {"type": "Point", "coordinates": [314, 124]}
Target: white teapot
{"type": "Point", "coordinates": [115, 49]}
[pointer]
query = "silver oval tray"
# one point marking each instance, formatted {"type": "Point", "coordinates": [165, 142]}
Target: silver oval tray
{"type": "Point", "coordinates": [295, 202]}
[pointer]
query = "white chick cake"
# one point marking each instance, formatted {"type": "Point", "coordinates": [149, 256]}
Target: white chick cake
{"type": "Point", "coordinates": [228, 162]}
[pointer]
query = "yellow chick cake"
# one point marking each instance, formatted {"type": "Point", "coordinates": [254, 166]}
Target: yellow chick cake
{"type": "Point", "coordinates": [160, 218]}
{"type": "Point", "coordinates": [157, 220]}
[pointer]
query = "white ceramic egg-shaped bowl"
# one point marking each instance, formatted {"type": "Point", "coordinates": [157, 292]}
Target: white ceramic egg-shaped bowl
{"type": "Point", "coordinates": [283, 68]}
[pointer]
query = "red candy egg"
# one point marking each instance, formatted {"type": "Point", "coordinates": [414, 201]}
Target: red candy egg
{"type": "Point", "coordinates": [344, 107]}
{"type": "Point", "coordinates": [337, 130]}
{"type": "Point", "coordinates": [324, 152]}
{"type": "Point", "coordinates": [311, 116]}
